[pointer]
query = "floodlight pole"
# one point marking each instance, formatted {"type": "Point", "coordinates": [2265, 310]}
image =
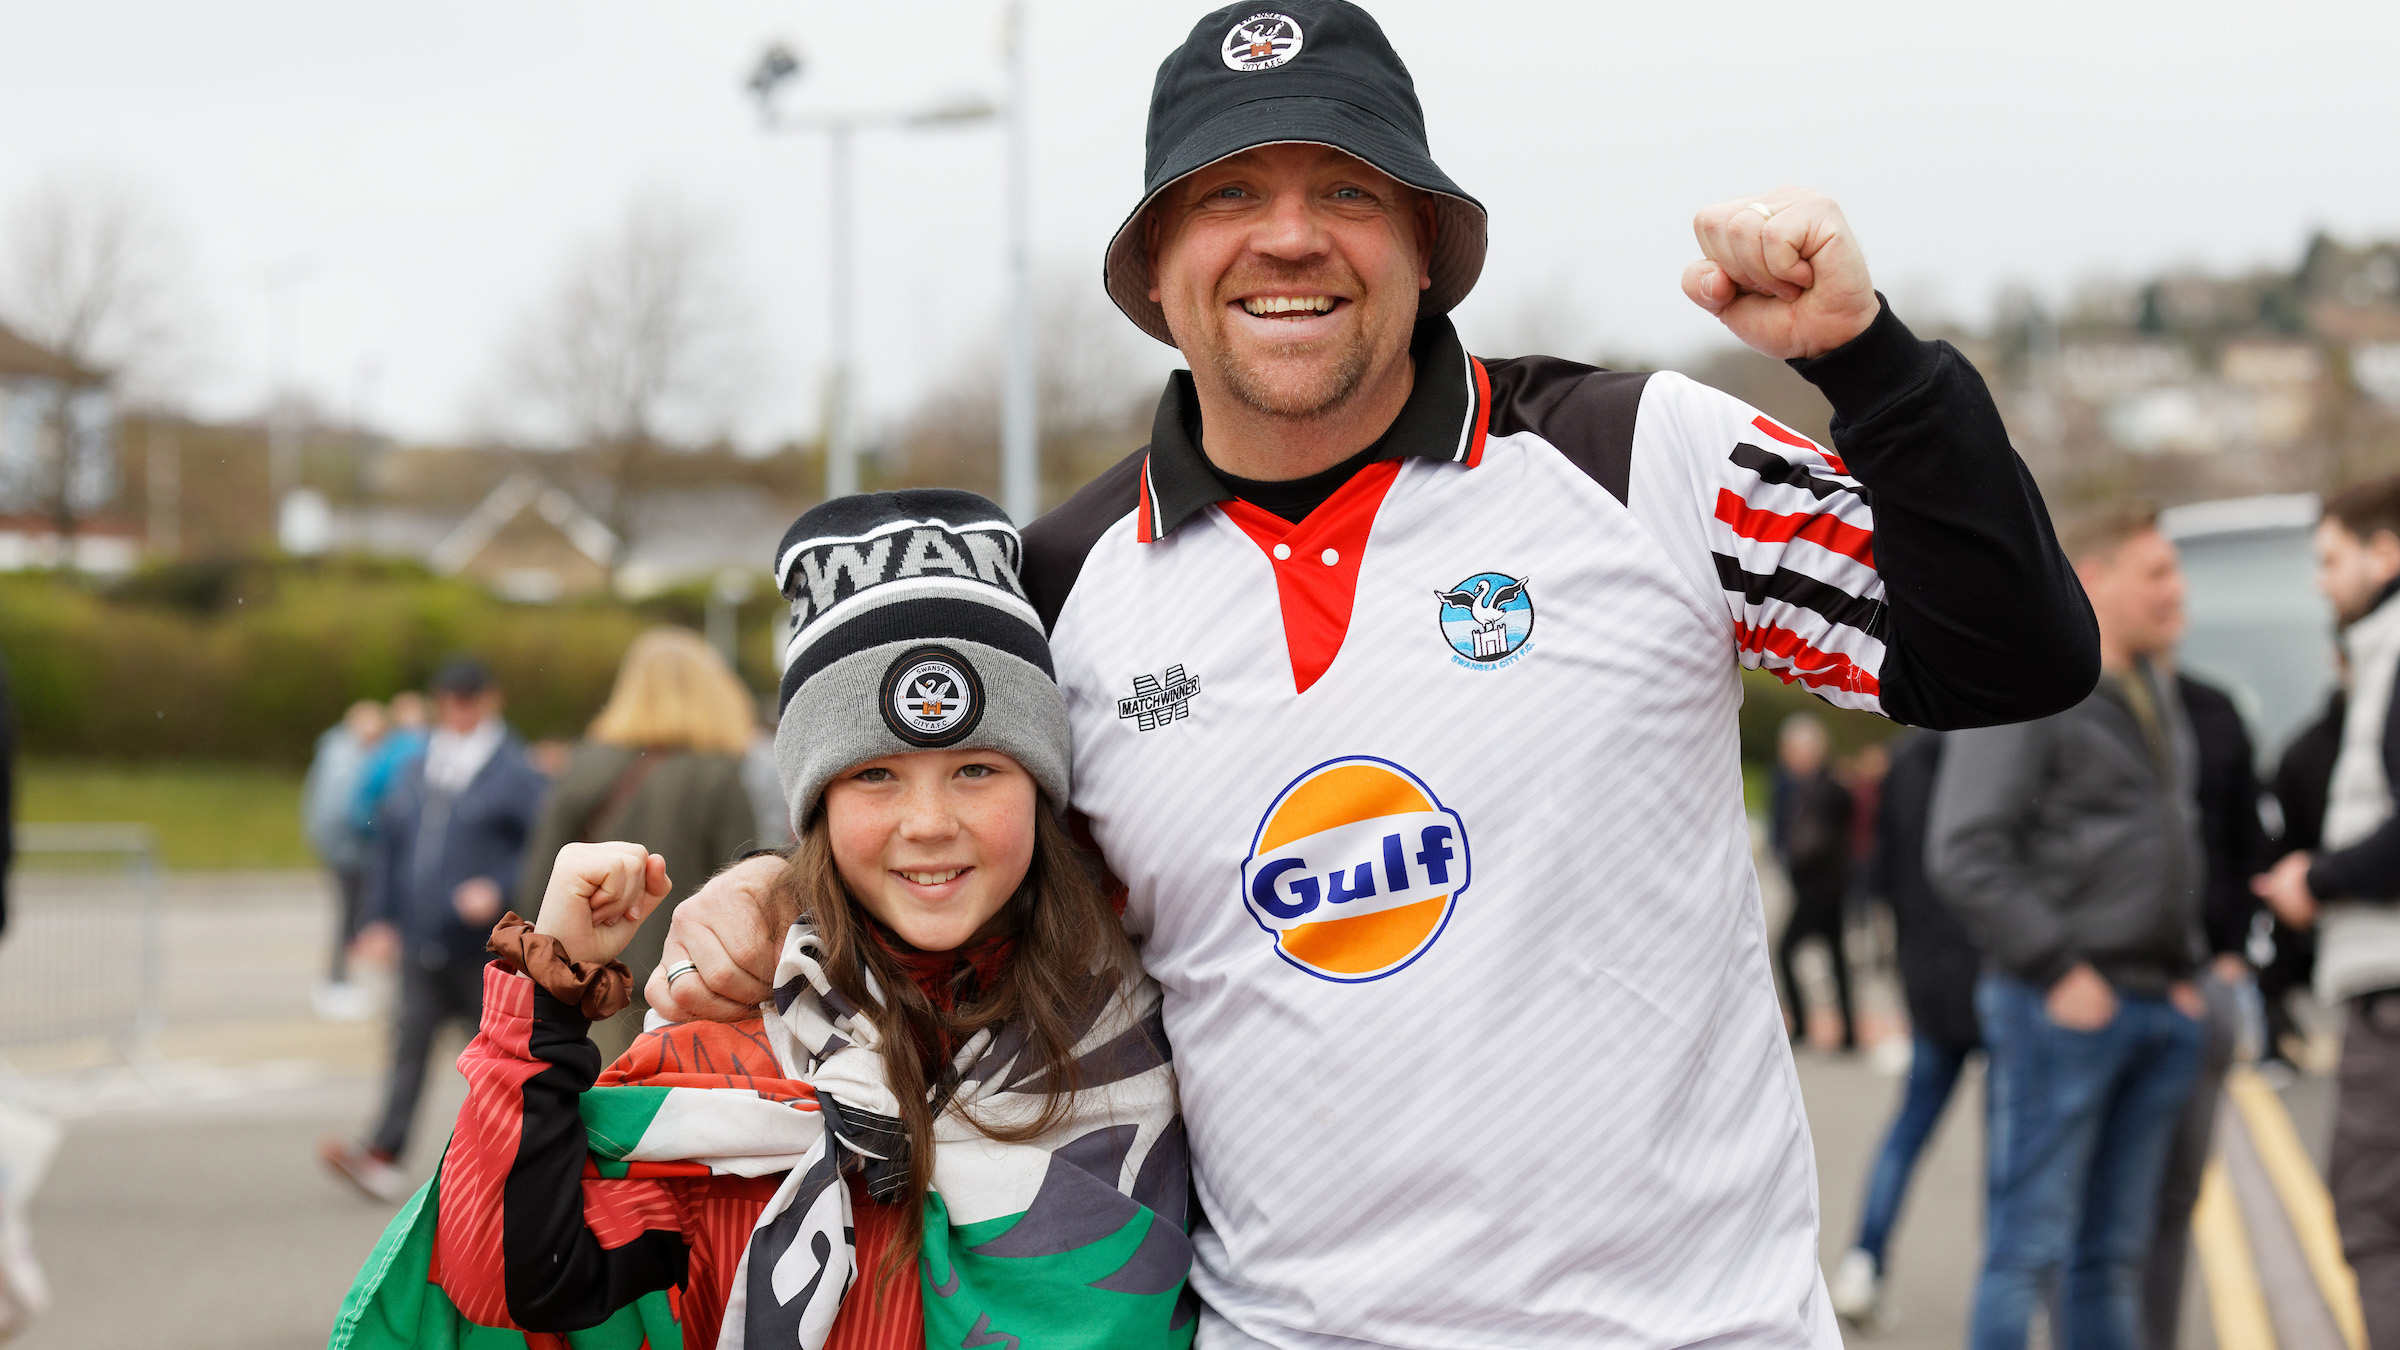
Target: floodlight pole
{"type": "Point", "coordinates": [776, 66]}
{"type": "Point", "coordinates": [841, 451]}
{"type": "Point", "coordinates": [1020, 429]}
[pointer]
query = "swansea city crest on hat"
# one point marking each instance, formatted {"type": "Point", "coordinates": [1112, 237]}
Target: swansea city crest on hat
{"type": "Point", "coordinates": [932, 697]}
{"type": "Point", "coordinates": [1262, 42]}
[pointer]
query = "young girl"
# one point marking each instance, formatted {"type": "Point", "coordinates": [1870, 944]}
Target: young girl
{"type": "Point", "coordinates": [956, 1122]}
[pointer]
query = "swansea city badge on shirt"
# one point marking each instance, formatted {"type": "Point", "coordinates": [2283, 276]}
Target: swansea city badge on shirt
{"type": "Point", "coordinates": [1262, 42]}
{"type": "Point", "coordinates": [932, 697]}
{"type": "Point", "coordinates": [1487, 619]}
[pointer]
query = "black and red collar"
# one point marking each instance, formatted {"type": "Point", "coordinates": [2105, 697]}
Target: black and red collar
{"type": "Point", "coordinates": [1445, 418]}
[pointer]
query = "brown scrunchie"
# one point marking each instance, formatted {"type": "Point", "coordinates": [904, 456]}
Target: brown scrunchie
{"type": "Point", "coordinates": [594, 991]}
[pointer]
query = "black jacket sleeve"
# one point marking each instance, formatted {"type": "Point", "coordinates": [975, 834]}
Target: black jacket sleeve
{"type": "Point", "coordinates": [1985, 796]}
{"type": "Point", "coordinates": [558, 1275]}
{"type": "Point", "coordinates": [2304, 776]}
{"type": "Point", "coordinates": [1987, 623]}
{"type": "Point", "coordinates": [2370, 868]}
{"type": "Point", "coordinates": [2232, 837]}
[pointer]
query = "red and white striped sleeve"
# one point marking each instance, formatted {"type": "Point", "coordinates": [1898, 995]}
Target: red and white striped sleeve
{"type": "Point", "coordinates": [1789, 536]}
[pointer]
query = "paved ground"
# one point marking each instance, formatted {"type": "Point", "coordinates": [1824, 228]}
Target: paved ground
{"type": "Point", "coordinates": [1938, 1243]}
{"type": "Point", "coordinates": [201, 1218]}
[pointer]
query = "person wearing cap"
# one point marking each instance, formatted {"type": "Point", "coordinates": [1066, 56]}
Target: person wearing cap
{"type": "Point", "coordinates": [956, 1114]}
{"type": "Point", "coordinates": [449, 836]}
{"type": "Point", "coordinates": [1404, 683]}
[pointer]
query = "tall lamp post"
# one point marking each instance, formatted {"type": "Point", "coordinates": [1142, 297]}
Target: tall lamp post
{"type": "Point", "coordinates": [776, 66]}
{"type": "Point", "coordinates": [1020, 449]}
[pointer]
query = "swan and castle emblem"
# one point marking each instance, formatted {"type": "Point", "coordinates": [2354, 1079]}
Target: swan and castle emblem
{"type": "Point", "coordinates": [1487, 618]}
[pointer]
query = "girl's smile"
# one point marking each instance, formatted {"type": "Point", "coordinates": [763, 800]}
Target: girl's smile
{"type": "Point", "coordinates": [933, 843]}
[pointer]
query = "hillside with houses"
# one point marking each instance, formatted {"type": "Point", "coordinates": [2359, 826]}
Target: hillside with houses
{"type": "Point", "coordinates": [2185, 387]}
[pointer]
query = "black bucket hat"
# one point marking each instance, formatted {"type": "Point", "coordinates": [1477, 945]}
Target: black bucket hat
{"type": "Point", "coordinates": [1317, 72]}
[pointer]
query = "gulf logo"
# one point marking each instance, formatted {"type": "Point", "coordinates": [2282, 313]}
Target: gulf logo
{"type": "Point", "coordinates": [1355, 869]}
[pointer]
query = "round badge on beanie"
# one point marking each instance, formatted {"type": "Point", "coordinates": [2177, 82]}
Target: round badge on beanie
{"type": "Point", "coordinates": [931, 697]}
{"type": "Point", "coordinates": [1313, 71]}
{"type": "Point", "coordinates": [911, 631]}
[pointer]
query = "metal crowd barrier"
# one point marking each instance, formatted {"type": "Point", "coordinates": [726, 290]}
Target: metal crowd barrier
{"type": "Point", "coordinates": [82, 957]}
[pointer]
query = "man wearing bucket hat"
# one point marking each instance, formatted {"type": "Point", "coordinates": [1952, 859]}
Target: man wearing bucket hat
{"type": "Point", "coordinates": [1403, 686]}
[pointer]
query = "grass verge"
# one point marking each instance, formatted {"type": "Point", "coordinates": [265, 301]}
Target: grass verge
{"type": "Point", "coordinates": [208, 816]}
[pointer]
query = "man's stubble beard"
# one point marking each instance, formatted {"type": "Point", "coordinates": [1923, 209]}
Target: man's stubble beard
{"type": "Point", "coordinates": [1324, 394]}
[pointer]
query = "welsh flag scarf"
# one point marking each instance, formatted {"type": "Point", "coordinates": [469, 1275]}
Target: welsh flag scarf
{"type": "Point", "coordinates": [1063, 1240]}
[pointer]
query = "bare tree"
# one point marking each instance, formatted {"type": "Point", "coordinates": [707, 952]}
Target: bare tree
{"type": "Point", "coordinates": [87, 274]}
{"type": "Point", "coordinates": [1096, 386]}
{"type": "Point", "coordinates": [635, 352]}
{"type": "Point", "coordinates": [86, 277]}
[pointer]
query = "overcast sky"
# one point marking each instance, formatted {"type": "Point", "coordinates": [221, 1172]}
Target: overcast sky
{"type": "Point", "coordinates": [412, 180]}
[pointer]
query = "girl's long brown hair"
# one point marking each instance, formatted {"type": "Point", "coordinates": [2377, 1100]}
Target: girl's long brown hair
{"type": "Point", "coordinates": [1070, 948]}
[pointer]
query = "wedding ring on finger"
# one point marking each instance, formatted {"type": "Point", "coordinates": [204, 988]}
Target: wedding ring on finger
{"type": "Point", "coordinates": [1765, 212]}
{"type": "Point", "coordinates": [680, 969]}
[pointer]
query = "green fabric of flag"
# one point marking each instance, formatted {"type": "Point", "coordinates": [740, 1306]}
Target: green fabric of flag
{"type": "Point", "coordinates": [1072, 1238]}
{"type": "Point", "coordinates": [395, 1305]}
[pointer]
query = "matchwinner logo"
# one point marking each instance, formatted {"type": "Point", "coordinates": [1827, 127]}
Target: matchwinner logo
{"type": "Point", "coordinates": [1159, 699]}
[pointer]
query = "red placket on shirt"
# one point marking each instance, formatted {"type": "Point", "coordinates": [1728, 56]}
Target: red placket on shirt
{"type": "Point", "coordinates": [1316, 565]}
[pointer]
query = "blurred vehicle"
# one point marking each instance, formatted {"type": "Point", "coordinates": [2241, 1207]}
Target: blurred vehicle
{"type": "Point", "coordinates": [2258, 628]}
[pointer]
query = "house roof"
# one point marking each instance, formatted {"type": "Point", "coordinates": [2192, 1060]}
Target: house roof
{"type": "Point", "coordinates": [20, 355]}
{"type": "Point", "coordinates": [517, 493]}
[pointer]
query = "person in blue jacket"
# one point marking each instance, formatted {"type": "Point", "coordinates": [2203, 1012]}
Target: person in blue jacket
{"type": "Point", "coordinates": [449, 839]}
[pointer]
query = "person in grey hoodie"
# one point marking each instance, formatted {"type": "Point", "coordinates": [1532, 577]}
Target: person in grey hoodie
{"type": "Point", "coordinates": [2070, 849]}
{"type": "Point", "coordinates": [2346, 891]}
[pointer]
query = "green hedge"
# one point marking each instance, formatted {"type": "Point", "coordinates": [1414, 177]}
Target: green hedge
{"type": "Point", "coordinates": [250, 665]}
{"type": "Point", "coordinates": [244, 816]}
{"type": "Point", "coordinates": [252, 669]}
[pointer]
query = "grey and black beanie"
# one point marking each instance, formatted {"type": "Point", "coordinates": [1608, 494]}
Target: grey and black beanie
{"type": "Point", "coordinates": [910, 631]}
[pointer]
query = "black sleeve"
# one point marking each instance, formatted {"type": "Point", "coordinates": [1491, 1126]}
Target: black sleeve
{"type": "Point", "coordinates": [2303, 775]}
{"type": "Point", "coordinates": [1986, 795]}
{"type": "Point", "coordinates": [1057, 544]}
{"type": "Point", "coordinates": [1987, 622]}
{"type": "Point", "coordinates": [2233, 840]}
{"type": "Point", "coordinates": [2370, 868]}
{"type": "Point", "coordinates": [559, 1276]}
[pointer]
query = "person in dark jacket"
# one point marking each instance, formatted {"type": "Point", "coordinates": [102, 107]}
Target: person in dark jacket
{"type": "Point", "coordinates": [1938, 967]}
{"type": "Point", "coordinates": [2348, 891]}
{"type": "Point", "coordinates": [2303, 783]}
{"type": "Point", "coordinates": [2233, 844]}
{"type": "Point", "coordinates": [450, 839]}
{"type": "Point", "coordinates": [1810, 831]}
{"type": "Point", "coordinates": [661, 764]}
{"type": "Point", "coordinates": [2070, 847]}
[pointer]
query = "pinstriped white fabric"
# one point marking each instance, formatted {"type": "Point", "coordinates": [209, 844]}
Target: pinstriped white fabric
{"type": "Point", "coordinates": [1571, 1119]}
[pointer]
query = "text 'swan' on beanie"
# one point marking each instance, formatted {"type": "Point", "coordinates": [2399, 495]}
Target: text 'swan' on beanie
{"type": "Point", "coordinates": [911, 632]}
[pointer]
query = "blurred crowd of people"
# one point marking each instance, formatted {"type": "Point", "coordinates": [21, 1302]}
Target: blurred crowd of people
{"type": "Point", "coordinates": [2110, 906]}
{"type": "Point", "coordinates": [434, 818]}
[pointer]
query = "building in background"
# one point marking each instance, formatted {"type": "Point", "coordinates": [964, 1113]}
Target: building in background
{"type": "Point", "coordinates": [531, 542]}
{"type": "Point", "coordinates": [58, 465]}
{"type": "Point", "coordinates": [2191, 386]}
